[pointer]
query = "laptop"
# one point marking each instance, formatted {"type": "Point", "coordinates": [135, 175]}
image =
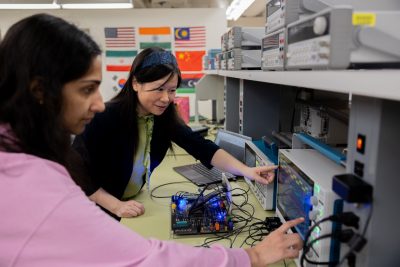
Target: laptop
{"type": "Point", "coordinates": [200, 175]}
{"type": "Point", "coordinates": [200, 129]}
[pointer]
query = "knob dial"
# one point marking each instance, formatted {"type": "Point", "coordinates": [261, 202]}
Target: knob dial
{"type": "Point", "coordinates": [320, 25]}
{"type": "Point", "coordinates": [313, 215]}
{"type": "Point", "coordinates": [314, 201]}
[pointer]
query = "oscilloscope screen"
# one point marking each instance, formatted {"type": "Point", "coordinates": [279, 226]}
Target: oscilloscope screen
{"type": "Point", "coordinates": [294, 192]}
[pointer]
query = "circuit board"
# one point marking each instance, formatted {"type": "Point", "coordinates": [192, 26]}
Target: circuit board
{"type": "Point", "coordinates": [194, 215]}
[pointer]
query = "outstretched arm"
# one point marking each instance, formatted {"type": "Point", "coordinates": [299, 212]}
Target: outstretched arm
{"type": "Point", "coordinates": [226, 162]}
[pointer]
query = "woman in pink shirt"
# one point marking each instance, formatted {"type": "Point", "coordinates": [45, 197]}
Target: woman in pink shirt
{"type": "Point", "coordinates": [50, 73]}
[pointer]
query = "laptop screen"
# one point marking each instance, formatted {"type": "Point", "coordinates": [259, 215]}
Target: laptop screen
{"type": "Point", "coordinates": [233, 143]}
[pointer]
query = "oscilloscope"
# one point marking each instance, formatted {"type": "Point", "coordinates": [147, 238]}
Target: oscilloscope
{"type": "Point", "coordinates": [305, 190]}
{"type": "Point", "coordinates": [265, 194]}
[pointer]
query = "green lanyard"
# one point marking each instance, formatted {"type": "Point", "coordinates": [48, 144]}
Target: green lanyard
{"type": "Point", "coordinates": [149, 122]}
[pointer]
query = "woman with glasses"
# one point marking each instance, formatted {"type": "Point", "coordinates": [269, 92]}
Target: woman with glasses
{"type": "Point", "coordinates": [124, 144]}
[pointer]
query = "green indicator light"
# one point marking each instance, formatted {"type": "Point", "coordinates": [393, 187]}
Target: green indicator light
{"type": "Point", "coordinates": [317, 189]}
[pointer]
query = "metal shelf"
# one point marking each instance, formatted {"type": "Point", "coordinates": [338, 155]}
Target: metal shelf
{"type": "Point", "coordinates": [373, 83]}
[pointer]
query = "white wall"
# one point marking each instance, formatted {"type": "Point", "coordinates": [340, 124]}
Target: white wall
{"type": "Point", "coordinates": [95, 20]}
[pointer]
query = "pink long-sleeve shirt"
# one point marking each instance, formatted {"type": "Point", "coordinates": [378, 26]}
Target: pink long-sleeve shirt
{"type": "Point", "coordinates": [46, 220]}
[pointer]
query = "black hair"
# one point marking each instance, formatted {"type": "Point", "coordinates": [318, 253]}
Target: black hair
{"type": "Point", "coordinates": [128, 98]}
{"type": "Point", "coordinates": [38, 56]}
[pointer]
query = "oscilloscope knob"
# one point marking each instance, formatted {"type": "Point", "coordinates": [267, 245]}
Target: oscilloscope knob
{"type": "Point", "coordinates": [320, 25]}
{"type": "Point", "coordinates": [314, 201]}
{"type": "Point", "coordinates": [313, 214]}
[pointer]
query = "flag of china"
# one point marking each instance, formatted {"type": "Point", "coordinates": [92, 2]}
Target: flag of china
{"type": "Point", "coordinates": [190, 60]}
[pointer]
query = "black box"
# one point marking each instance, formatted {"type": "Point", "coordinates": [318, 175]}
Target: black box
{"type": "Point", "coordinates": [352, 188]}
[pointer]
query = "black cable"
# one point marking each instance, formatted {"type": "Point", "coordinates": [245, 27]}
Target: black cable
{"type": "Point", "coordinates": [215, 239]}
{"type": "Point", "coordinates": [308, 234]}
{"type": "Point", "coordinates": [196, 206]}
{"type": "Point", "coordinates": [359, 239]}
{"type": "Point", "coordinates": [157, 187]}
{"type": "Point", "coordinates": [346, 218]}
{"type": "Point", "coordinates": [239, 216]}
{"type": "Point", "coordinates": [351, 260]}
{"type": "Point", "coordinates": [309, 246]}
{"type": "Point", "coordinates": [242, 214]}
{"type": "Point", "coordinates": [343, 236]}
{"type": "Point", "coordinates": [238, 230]}
{"type": "Point", "coordinates": [197, 199]}
{"type": "Point", "coordinates": [254, 234]}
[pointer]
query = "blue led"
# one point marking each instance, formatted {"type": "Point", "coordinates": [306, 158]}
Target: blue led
{"type": "Point", "coordinates": [182, 203]}
{"type": "Point", "coordinates": [214, 202]}
{"type": "Point", "coordinates": [307, 200]}
{"type": "Point", "coordinates": [221, 216]}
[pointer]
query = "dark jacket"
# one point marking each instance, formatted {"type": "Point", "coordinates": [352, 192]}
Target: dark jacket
{"type": "Point", "coordinates": [107, 148]}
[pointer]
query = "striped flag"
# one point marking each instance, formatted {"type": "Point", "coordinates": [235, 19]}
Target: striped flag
{"type": "Point", "coordinates": [190, 37]}
{"type": "Point", "coordinates": [155, 36]}
{"type": "Point", "coordinates": [120, 37]}
{"type": "Point", "coordinates": [119, 60]}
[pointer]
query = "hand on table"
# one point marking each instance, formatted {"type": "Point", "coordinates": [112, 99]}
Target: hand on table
{"type": "Point", "coordinates": [128, 209]}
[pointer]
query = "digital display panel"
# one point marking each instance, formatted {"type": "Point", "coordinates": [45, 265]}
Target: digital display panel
{"type": "Point", "coordinates": [250, 158]}
{"type": "Point", "coordinates": [294, 194]}
{"type": "Point", "coordinates": [273, 6]}
{"type": "Point", "coordinates": [233, 143]}
{"type": "Point", "coordinates": [304, 31]}
{"type": "Point", "coordinates": [271, 42]}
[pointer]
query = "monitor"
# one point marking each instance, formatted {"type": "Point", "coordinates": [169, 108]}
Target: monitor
{"type": "Point", "coordinates": [295, 190]}
{"type": "Point", "coordinates": [233, 143]}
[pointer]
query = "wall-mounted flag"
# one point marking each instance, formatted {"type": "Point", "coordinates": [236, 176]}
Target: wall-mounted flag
{"type": "Point", "coordinates": [118, 81]}
{"type": "Point", "coordinates": [155, 36]}
{"type": "Point", "coordinates": [190, 60]}
{"type": "Point", "coordinates": [190, 37]}
{"type": "Point", "coordinates": [189, 80]}
{"type": "Point", "coordinates": [119, 60]}
{"type": "Point", "coordinates": [120, 37]}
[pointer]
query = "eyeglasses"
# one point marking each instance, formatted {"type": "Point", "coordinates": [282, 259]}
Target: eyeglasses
{"type": "Point", "coordinates": [162, 90]}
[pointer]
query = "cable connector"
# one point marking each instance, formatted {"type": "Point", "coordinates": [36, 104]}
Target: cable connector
{"type": "Point", "coordinates": [272, 223]}
{"type": "Point", "coordinates": [351, 260]}
{"type": "Point", "coordinates": [347, 218]}
{"type": "Point", "coordinates": [345, 235]}
{"type": "Point", "coordinates": [352, 188]}
{"type": "Point", "coordinates": [357, 242]}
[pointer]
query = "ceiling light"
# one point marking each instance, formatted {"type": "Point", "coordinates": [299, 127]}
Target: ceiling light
{"type": "Point", "coordinates": [67, 4]}
{"type": "Point", "coordinates": [97, 6]}
{"type": "Point", "coordinates": [236, 8]}
{"type": "Point", "coordinates": [53, 5]}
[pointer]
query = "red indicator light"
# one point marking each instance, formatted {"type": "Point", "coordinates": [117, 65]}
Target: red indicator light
{"type": "Point", "coordinates": [360, 146]}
